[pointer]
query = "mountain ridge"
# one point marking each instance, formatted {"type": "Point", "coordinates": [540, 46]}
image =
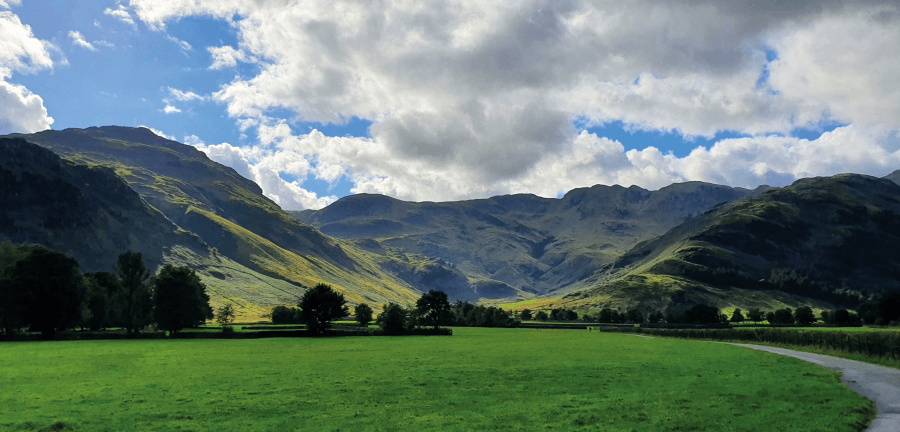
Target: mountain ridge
{"type": "Point", "coordinates": [540, 244]}
{"type": "Point", "coordinates": [593, 246]}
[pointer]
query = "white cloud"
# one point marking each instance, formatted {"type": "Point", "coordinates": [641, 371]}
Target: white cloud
{"type": "Point", "coordinates": [845, 65]}
{"type": "Point", "coordinates": [225, 57]}
{"type": "Point", "coordinates": [78, 39]}
{"type": "Point", "coordinates": [478, 98]}
{"type": "Point", "coordinates": [181, 44]}
{"type": "Point", "coordinates": [122, 14]}
{"type": "Point", "coordinates": [21, 110]}
{"type": "Point", "coordinates": [159, 133]}
{"type": "Point", "coordinates": [288, 195]}
{"type": "Point", "coordinates": [184, 96]}
{"type": "Point", "coordinates": [8, 3]}
{"type": "Point", "coordinates": [169, 109]}
{"type": "Point", "coordinates": [19, 49]}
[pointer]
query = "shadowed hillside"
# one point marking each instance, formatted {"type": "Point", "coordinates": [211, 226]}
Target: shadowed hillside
{"type": "Point", "coordinates": [88, 212]}
{"type": "Point", "coordinates": [262, 256]}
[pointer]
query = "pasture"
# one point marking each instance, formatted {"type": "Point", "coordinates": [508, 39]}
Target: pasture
{"type": "Point", "coordinates": [478, 379]}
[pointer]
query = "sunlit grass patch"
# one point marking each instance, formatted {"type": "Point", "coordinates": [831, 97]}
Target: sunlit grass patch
{"type": "Point", "coordinates": [478, 379]}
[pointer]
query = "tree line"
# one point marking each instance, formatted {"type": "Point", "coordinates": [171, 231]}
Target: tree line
{"type": "Point", "coordinates": [43, 290]}
{"type": "Point", "coordinates": [321, 305]}
{"type": "Point", "coordinates": [884, 309]}
{"type": "Point", "coordinates": [784, 279]}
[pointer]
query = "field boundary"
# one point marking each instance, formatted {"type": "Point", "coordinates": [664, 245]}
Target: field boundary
{"type": "Point", "coordinates": [874, 345]}
{"type": "Point", "coordinates": [75, 336]}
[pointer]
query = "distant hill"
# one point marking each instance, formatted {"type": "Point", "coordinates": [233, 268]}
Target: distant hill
{"type": "Point", "coordinates": [517, 245]}
{"type": "Point", "coordinates": [838, 234]}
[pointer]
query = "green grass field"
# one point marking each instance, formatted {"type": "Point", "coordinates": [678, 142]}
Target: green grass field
{"type": "Point", "coordinates": [478, 379]}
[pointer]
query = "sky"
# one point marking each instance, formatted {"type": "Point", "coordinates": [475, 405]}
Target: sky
{"type": "Point", "coordinates": [446, 100]}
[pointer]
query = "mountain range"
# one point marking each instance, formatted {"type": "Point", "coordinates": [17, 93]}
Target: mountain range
{"type": "Point", "coordinates": [98, 192]}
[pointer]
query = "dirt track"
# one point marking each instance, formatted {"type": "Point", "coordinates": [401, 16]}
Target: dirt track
{"type": "Point", "coordinates": [878, 383]}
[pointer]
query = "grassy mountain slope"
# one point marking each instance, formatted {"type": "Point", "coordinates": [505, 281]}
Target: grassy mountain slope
{"type": "Point", "coordinates": [521, 245]}
{"type": "Point", "coordinates": [88, 212]}
{"type": "Point", "coordinates": [840, 232]}
{"type": "Point", "coordinates": [272, 253]}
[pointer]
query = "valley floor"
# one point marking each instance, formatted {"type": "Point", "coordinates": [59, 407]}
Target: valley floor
{"type": "Point", "coordinates": [478, 379]}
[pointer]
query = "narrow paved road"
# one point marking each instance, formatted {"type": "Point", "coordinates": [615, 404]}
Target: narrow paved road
{"type": "Point", "coordinates": [878, 383]}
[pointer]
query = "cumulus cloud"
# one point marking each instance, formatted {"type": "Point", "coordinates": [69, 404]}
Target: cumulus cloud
{"type": "Point", "coordinates": [843, 64]}
{"type": "Point", "coordinates": [78, 39]}
{"type": "Point", "coordinates": [169, 109]}
{"type": "Point", "coordinates": [21, 110]}
{"type": "Point", "coordinates": [8, 3]}
{"type": "Point", "coordinates": [19, 49]}
{"type": "Point", "coordinates": [287, 194]}
{"type": "Point", "coordinates": [476, 98]}
{"type": "Point", "coordinates": [122, 14]}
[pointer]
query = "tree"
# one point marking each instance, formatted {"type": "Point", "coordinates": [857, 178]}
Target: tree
{"type": "Point", "coordinates": [755, 315]}
{"type": "Point", "coordinates": [498, 317]}
{"type": "Point", "coordinates": [784, 316]}
{"type": "Point", "coordinates": [526, 314]}
{"type": "Point", "coordinates": [842, 317]}
{"type": "Point", "coordinates": [392, 319]}
{"type": "Point", "coordinates": [542, 316]}
{"type": "Point", "coordinates": [737, 316]}
{"type": "Point", "coordinates": [434, 308]}
{"type": "Point", "coordinates": [105, 302]}
{"type": "Point", "coordinates": [225, 316]}
{"type": "Point", "coordinates": [702, 314]}
{"type": "Point", "coordinates": [363, 314]}
{"type": "Point", "coordinates": [605, 315]}
{"type": "Point", "coordinates": [634, 316]}
{"type": "Point", "coordinates": [135, 302]}
{"type": "Point", "coordinates": [285, 315]}
{"type": "Point", "coordinates": [95, 307]}
{"type": "Point", "coordinates": [180, 299]}
{"type": "Point", "coordinates": [12, 300]}
{"type": "Point", "coordinates": [888, 308]}
{"type": "Point", "coordinates": [770, 317]}
{"type": "Point", "coordinates": [461, 311]}
{"type": "Point", "coordinates": [804, 315]}
{"type": "Point", "coordinates": [46, 289]}
{"type": "Point", "coordinates": [319, 306]}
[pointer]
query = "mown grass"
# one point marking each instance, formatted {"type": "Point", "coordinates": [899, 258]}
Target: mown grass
{"type": "Point", "coordinates": [478, 379]}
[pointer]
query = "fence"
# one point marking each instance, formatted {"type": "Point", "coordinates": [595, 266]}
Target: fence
{"type": "Point", "coordinates": [873, 344]}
